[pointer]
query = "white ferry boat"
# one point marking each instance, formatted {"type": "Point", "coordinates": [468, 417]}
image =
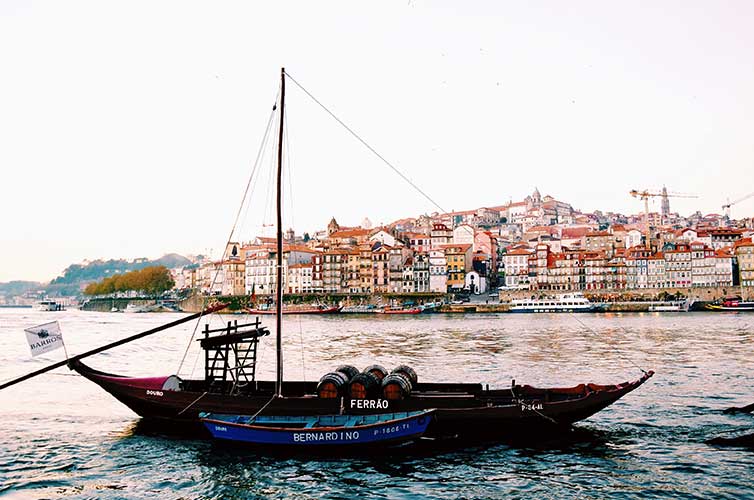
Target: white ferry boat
{"type": "Point", "coordinates": [677, 306]}
{"type": "Point", "coordinates": [49, 305]}
{"type": "Point", "coordinates": [569, 302]}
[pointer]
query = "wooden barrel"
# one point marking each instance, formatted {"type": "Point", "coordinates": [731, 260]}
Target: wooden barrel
{"type": "Point", "coordinates": [363, 386]}
{"type": "Point", "coordinates": [396, 386]}
{"type": "Point", "coordinates": [332, 385]}
{"type": "Point", "coordinates": [408, 372]}
{"type": "Point", "coordinates": [378, 371]}
{"type": "Point", "coordinates": [348, 370]}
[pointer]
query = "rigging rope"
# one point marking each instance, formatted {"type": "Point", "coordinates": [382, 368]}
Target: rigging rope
{"type": "Point", "coordinates": [626, 358]}
{"type": "Point", "coordinates": [363, 142]}
{"type": "Point", "coordinates": [233, 230]}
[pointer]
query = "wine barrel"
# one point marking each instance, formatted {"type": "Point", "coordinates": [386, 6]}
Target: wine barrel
{"type": "Point", "coordinates": [408, 372]}
{"type": "Point", "coordinates": [378, 371]}
{"type": "Point", "coordinates": [363, 386]}
{"type": "Point", "coordinates": [332, 385]}
{"type": "Point", "coordinates": [396, 386]}
{"type": "Point", "coordinates": [348, 370]}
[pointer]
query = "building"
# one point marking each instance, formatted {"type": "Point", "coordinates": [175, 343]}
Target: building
{"type": "Point", "coordinates": [438, 271]}
{"type": "Point", "coordinates": [744, 252]}
{"type": "Point", "coordinates": [459, 263]}
{"type": "Point", "coordinates": [516, 268]}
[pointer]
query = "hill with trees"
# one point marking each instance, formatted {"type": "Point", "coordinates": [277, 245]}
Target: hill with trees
{"type": "Point", "coordinates": [75, 275]}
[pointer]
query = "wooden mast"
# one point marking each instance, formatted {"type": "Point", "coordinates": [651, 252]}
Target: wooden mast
{"type": "Point", "coordinates": [279, 288]}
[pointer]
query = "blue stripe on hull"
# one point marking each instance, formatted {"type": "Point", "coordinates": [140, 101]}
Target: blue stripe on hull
{"type": "Point", "coordinates": [403, 429]}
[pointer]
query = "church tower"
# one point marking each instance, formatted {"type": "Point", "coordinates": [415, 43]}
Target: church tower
{"type": "Point", "coordinates": [332, 227]}
{"type": "Point", "coordinates": [665, 208]}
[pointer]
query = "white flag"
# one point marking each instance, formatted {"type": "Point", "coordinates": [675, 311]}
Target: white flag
{"type": "Point", "coordinates": [44, 338]}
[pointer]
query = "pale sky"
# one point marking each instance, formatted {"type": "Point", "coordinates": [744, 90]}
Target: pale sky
{"type": "Point", "coordinates": [128, 129]}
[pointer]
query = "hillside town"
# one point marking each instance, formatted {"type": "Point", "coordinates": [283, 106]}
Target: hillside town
{"type": "Point", "coordinates": [536, 244]}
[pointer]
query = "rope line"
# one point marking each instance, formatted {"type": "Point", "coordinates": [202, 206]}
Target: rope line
{"type": "Point", "coordinates": [232, 231]}
{"type": "Point", "coordinates": [363, 142]}
{"type": "Point", "coordinates": [626, 358]}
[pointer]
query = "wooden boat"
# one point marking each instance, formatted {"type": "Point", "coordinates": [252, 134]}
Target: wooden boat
{"type": "Point", "coordinates": [304, 309]}
{"type": "Point", "coordinates": [731, 304]}
{"type": "Point", "coordinates": [401, 310]}
{"type": "Point", "coordinates": [382, 429]}
{"type": "Point", "coordinates": [229, 385]}
{"type": "Point", "coordinates": [461, 409]}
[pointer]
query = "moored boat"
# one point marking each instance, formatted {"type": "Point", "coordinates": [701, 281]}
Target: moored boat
{"type": "Point", "coordinates": [402, 310]}
{"type": "Point", "coordinates": [296, 309]}
{"type": "Point", "coordinates": [676, 306]}
{"type": "Point", "coordinates": [49, 305]}
{"type": "Point", "coordinates": [381, 429]}
{"type": "Point", "coordinates": [731, 304]}
{"type": "Point", "coordinates": [569, 302]}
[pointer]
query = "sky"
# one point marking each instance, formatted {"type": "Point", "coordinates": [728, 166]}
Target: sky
{"type": "Point", "coordinates": [130, 129]}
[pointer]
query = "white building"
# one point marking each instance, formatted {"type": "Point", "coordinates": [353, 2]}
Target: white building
{"type": "Point", "coordinates": [438, 271]}
{"type": "Point", "coordinates": [300, 278]}
{"type": "Point", "coordinates": [516, 268]}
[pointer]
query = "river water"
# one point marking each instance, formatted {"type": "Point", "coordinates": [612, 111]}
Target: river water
{"type": "Point", "coordinates": [63, 437]}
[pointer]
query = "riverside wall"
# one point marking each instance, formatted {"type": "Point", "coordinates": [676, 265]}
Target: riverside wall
{"type": "Point", "coordinates": [614, 300]}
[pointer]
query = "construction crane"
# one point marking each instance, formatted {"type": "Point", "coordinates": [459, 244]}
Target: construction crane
{"type": "Point", "coordinates": [727, 206]}
{"type": "Point", "coordinates": [646, 195]}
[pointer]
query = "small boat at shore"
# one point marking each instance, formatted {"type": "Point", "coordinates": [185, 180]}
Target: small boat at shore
{"type": "Point", "coordinates": [49, 305]}
{"type": "Point", "coordinates": [311, 431]}
{"type": "Point", "coordinates": [402, 310]}
{"type": "Point", "coordinates": [676, 306]}
{"type": "Point", "coordinates": [360, 309]}
{"type": "Point", "coordinates": [297, 309]}
{"type": "Point", "coordinates": [569, 302]}
{"type": "Point", "coordinates": [731, 304]}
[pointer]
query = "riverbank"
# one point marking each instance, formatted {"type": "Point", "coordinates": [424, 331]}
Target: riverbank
{"type": "Point", "coordinates": [609, 300]}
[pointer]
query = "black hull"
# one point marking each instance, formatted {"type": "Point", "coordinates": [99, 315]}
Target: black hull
{"type": "Point", "coordinates": [462, 410]}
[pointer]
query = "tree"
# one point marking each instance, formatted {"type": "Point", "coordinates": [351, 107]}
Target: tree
{"type": "Point", "coordinates": [153, 280]}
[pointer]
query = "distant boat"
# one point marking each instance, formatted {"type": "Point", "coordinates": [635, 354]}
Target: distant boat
{"type": "Point", "coordinates": [136, 308]}
{"type": "Point", "coordinates": [296, 309]}
{"type": "Point", "coordinates": [315, 431]}
{"type": "Point", "coordinates": [677, 306]}
{"type": "Point", "coordinates": [360, 309]}
{"type": "Point", "coordinates": [569, 302]}
{"type": "Point", "coordinates": [49, 305]}
{"type": "Point", "coordinates": [732, 304]}
{"type": "Point", "coordinates": [402, 310]}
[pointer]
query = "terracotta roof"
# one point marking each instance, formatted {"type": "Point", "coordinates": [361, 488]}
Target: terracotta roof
{"type": "Point", "coordinates": [519, 251]}
{"type": "Point", "coordinates": [574, 232]}
{"type": "Point", "coordinates": [350, 233]}
{"type": "Point", "coordinates": [299, 266]}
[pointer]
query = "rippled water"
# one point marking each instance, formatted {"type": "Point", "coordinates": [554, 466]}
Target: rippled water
{"type": "Point", "coordinates": [63, 437]}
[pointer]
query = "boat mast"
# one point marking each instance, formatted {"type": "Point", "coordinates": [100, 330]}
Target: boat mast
{"type": "Point", "coordinates": [279, 288]}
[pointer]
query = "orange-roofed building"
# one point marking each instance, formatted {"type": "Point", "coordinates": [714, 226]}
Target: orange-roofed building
{"type": "Point", "coordinates": [744, 252]}
{"type": "Point", "coordinates": [723, 267]}
{"type": "Point", "coordinates": [459, 263]}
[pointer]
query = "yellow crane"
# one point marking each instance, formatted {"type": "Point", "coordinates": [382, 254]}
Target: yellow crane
{"type": "Point", "coordinates": [646, 195]}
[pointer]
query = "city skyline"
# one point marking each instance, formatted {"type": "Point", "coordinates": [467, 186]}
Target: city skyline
{"type": "Point", "coordinates": [214, 252]}
{"type": "Point", "coordinates": [120, 141]}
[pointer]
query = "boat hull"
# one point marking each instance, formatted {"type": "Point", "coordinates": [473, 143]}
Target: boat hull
{"type": "Point", "coordinates": [306, 310]}
{"type": "Point", "coordinates": [553, 309]}
{"type": "Point", "coordinates": [462, 410]}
